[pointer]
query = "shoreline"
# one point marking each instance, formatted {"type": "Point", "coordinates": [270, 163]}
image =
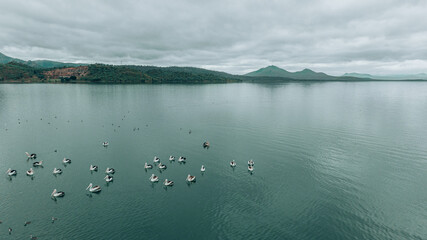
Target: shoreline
{"type": "Point", "coordinates": [57, 81]}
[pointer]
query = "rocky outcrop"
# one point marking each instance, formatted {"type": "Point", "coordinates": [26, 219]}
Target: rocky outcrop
{"type": "Point", "coordinates": [72, 72]}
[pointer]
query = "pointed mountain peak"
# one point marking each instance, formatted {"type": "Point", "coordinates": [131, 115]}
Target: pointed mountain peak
{"type": "Point", "coordinates": [272, 67]}
{"type": "Point", "coordinates": [306, 70]}
{"type": "Point", "coordinates": [271, 71]}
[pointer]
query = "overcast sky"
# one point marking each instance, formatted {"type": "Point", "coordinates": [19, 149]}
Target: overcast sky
{"type": "Point", "coordinates": [333, 36]}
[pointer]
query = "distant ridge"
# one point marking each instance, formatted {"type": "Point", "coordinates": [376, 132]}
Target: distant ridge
{"type": "Point", "coordinates": [419, 76]}
{"type": "Point", "coordinates": [6, 59]}
{"type": "Point", "coordinates": [306, 74]}
{"type": "Point", "coordinates": [38, 63]}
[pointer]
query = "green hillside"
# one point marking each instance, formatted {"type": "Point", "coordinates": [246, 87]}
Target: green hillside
{"type": "Point", "coordinates": [15, 71]}
{"type": "Point", "coordinates": [150, 74]}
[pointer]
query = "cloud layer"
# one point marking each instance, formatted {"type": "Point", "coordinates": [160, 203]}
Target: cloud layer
{"type": "Point", "coordinates": [377, 37]}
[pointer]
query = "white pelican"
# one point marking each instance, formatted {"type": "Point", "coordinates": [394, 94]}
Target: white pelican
{"type": "Point", "coordinates": [182, 159]}
{"type": "Point", "coordinates": [105, 144]}
{"type": "Point", "coordinates": [57, 171]}
{"type": "Point", "coordinates": [93, 189]}
{"type": "Point", "coordinates": [250, 168]}
{"type": "Point", "coordinates": [191, 178]}
{"type": "Point", "coordinates": [154, 178]}
{"type": "Point", "coordinates": [56, 194]}
{"type": "Point", "coordinates": [233, 163]}
{"type": "Point", "coordinates": [31, 156]}
{"type": "Point", "coordinates": [93, 168]}
{"type": "Point", "coordinates": [30, 172]}
{"type": "Point", "coordinates": [251, 162]}
{"type": "Point", "coordinates": [171, 158]}
{"type": "Point", "coordinates": [108, 178]}
{"type": "Point", "coordinates": [37, 164]}
{"type": "Point", "coordinates": [162, 166]}
{"type": "Point", "coordinates": [66, 160]}
{"type": "Point", "coordinates": [168, 183]}
{"type": "Point", "coordinates": [110, 170]}
{"type": "Point", "coordinates": [11, 172]}
{"type": "Point", "coordinates": [148, 166]}
{"type": "Point", "coordinates": [203, 168]}
{"type": "Point", "coordinates": [156, 159]}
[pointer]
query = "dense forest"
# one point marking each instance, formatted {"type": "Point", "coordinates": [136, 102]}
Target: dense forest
{"type": "Point", "coordinates": [15, 71]}
{"type": "Point", "coordinates": [150, 74]}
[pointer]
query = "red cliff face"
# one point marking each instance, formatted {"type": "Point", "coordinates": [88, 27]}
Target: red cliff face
{"type": "Point", "coordinates": [78, 72]}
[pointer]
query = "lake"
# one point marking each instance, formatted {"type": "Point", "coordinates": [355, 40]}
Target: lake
{"type": "Point", "coordinates": [333, 160]}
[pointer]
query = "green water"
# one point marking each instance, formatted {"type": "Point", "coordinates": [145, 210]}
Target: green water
{"type": "Point", "coordinates": [332, 161]}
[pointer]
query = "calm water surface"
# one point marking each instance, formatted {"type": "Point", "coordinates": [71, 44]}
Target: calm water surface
{"type": "Point", "coordinates": [332, 161]}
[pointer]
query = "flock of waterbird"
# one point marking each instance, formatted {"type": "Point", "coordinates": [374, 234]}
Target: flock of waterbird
{"type": "Point", "coordinates": [110, 172]}
{"type": "Point", "coordinates": [56, 171]}
{"type": "Point", "coordinates": [93, 189]}
{"type": "Point", "coordinates": [153, 178]}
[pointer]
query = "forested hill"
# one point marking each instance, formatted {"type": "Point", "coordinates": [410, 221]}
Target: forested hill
{"type": "Point", "coordinates": [101, 73]}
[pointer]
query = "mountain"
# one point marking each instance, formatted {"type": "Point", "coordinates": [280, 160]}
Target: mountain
{"type": "Point", "coordinates": [306, 74]}
{"type": "Point", "coordinates": [309, 74]}
{"type": "Point", "coordinates": [270, 71]}
{"type": "Point", "coordinates": [419, 76]}
{"type": "Point", "coordinates": [38, 63]}
{"type": "Point", "coordinates": [6, 59]}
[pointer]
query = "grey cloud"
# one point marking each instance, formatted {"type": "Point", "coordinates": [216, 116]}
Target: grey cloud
{"type": "Point", "coordinates": [234, 36]}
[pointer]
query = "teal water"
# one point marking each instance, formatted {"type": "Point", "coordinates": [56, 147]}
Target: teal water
{"type": "Point", "coordinates": [332, 161]}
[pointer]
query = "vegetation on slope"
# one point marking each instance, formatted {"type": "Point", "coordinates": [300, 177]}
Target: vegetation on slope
{"type": "Point", "coordinates": [102, 73]}
{"type": "Point", "coordinates": [14, 71]}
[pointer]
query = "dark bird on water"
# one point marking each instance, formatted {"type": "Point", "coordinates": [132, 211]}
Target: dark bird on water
{"type": "Point", "coordinates": [26, 223]}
